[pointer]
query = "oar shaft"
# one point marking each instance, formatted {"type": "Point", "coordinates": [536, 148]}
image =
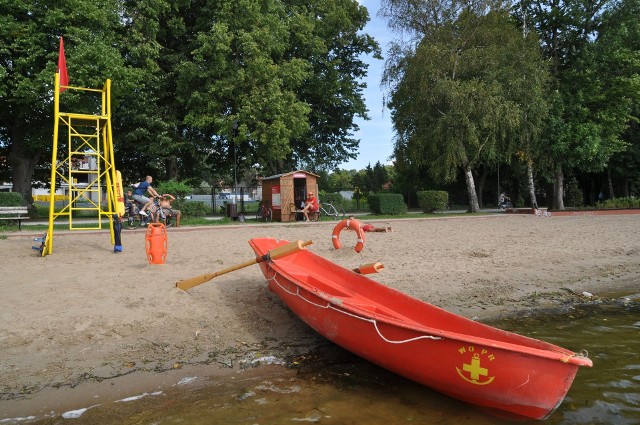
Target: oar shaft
{"type": "Point", "coordinates": [198, 280]}
{"type": "Point", "coordinates": [275, 253]}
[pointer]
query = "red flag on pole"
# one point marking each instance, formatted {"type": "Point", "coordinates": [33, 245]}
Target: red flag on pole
{"type": "Point", "coordinates": [62, 68]}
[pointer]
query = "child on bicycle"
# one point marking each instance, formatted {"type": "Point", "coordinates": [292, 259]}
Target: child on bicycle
{"type": "Point", "coordinates": [128, 203]}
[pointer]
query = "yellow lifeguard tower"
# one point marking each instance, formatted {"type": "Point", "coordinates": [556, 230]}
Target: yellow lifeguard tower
{"type": "Point", "coordinates": [83, 162]}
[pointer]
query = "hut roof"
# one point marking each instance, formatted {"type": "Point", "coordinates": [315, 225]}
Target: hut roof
{"type": "Point", "coordinates": [277, 176]}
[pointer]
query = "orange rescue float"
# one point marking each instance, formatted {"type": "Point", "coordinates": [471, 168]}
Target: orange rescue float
{"type": "Point", "coordinates": [157, 243]}
{"type": "Point", "coordinates": [350, 224]}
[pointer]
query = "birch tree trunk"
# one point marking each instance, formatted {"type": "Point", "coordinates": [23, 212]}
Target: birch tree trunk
{"type": "Point", "coordinates": [471, 189]}
{"type": "Point", "coordinates": [532, 188]}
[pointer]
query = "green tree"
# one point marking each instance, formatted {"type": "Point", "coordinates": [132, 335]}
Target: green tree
{"type": "Point", "coordinates": [529, 85]}
{"type": "Point", "coordinates": [616, 57]}
{"type": "Point", "coordinates": [378, 176]}
{"type": "Point", "coordinates": [457, 100]}
{"type": "Point", "coordinates": [200, 88]}
{"type": "Point", "coordinates": [285, 73]}
{"type": "Point", "coordinates": [331, 38]}
{"type": "Point", "coordinates": [592, 80]}
{"type": "Point", "coordinates": [240, 78]}
{"type": "Point", "coordinates": [359, 180]}
{"type": "Point", "coordinates": [29, 36]}
{"type": "Point", "coordinates": [147, 123]}
{"type": "Point", "coordinates": [339, 180]}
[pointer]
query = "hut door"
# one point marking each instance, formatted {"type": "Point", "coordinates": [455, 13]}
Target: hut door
{"type": "Point", "coordinates": [299, 191]}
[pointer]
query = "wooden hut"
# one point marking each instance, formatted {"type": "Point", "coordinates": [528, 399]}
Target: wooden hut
{"type": "Point", "coordinates": [284, 193]}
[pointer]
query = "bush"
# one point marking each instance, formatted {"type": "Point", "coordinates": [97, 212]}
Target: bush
{"type": "Point", "coordinates": [573, 195]}
{"type": "Point", "coordinates": [11, 199]}
{"type": "Point", "coordinates": [619, 203]}
{"type": "Point", "coordinates": [355, 205]}
{"type": "Point", "coordinates": [175, 188]}
{"type": "Point", "coordinates": [192, 209]}
{"type": "Point", "coordinates": [433, 200]}
{"type": "Point", "coordinates": [332, 198]}
{"type": "Point", "coordinates": [387, 203]}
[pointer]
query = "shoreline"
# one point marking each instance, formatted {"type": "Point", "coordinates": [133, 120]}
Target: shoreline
{"type": "Point", "coordinates": [51, 403]}
{"type": "Point", "coordinates": [85, 320]}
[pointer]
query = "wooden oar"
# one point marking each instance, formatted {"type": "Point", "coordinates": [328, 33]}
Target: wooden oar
{"type": "Point", "coordinates": [275, 253]}
{"type": "Point", "coordinates": [369, 268]}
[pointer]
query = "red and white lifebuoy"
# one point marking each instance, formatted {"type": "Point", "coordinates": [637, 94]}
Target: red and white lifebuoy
{"type": "Point", "coordinates": [354, 225]}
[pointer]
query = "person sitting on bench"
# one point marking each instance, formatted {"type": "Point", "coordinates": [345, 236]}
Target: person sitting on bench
{"type": "Point", "coordinates": [310, 206]}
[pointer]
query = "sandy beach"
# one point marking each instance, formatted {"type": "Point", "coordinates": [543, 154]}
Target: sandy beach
{"type": "Point", "coordinates": [85, 316]}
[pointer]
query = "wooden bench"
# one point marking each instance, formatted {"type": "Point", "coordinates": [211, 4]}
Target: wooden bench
{"type": "Point", "coordinates": [14, 213]}
{"type": "Point", "coordinates": [296, 214]}
{"type": "Point", "coordinates": [315, 215]}
{"type": "Point", "coordinates": [293, 213]}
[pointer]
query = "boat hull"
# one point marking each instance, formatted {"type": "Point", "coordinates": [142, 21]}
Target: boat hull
{"type": "Point", "coordinates": [464, 359]}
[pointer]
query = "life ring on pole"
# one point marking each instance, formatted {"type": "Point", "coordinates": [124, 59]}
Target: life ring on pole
{"type": "Point", "coordinates": [350, 224]}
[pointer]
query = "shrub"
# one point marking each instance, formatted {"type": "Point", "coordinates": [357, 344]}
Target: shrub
{"type": "Point", "coordinates": [175, 188]}
{"type": "Point", "coordinates": [355, 205]}
{"type": "Point", "coordinates": [11, 199]}
{"type": "Point", "coordinates": [387, 203]}
{"type": "Point", "coordinates": [619, 203]}
{"type": "Point", "coordinates": [433, 200]}
{"type": "Point", "coordinates": [573, 195]}
{"type": "Point", "coordinates": [332, 198]}
{"type": "Point", "coordinates": [192, 209]}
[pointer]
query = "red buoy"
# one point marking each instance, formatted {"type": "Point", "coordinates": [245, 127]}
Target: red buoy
{"type": "Point", "coordinates": [157, 243]}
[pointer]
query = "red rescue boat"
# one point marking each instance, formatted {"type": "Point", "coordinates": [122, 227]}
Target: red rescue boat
{"type": "Point", "coordinates": [467, 360]}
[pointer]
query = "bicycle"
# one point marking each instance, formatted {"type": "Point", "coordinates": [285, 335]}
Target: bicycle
{"type": "Point", "coordinates": [132, 219]}
{"type": "Point", "coordinates": [264, 213]}
{"type": "Point", "coordinates": [158, 215]}
{"type": "Point", "coordinates": [330, 210]}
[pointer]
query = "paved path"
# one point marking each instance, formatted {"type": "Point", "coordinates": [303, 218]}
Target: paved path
{"type": "Point", "coordinates": [62, 220]}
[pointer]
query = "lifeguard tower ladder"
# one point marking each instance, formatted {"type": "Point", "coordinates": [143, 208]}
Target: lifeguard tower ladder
{"type": "Point", "coordinates": [83, 163]}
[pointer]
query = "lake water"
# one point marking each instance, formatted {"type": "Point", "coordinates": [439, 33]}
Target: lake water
{"type": "Point", "coordinates": [332, 386]}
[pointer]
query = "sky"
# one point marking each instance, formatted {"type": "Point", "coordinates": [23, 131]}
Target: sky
{"type": "Point", "coordinates": [376, 135]}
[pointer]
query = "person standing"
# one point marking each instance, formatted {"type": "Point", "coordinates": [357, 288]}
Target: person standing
{"type": "Point", "coordinates": [139, 193]}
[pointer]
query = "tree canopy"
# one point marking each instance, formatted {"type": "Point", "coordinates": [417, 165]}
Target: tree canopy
{"type": "Point", "coordinates": [594, 81]}
{"type": "Point", "coordinates": [460, 98]}
{"type": "Point", "coordinates": [199, 87]}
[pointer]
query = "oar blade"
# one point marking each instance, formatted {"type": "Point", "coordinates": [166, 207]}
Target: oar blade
{"type": "Point", "coordinates": [194, 281]}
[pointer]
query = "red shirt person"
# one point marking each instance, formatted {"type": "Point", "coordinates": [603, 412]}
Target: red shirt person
{"type": "Point", "coordinates": [311, 205]}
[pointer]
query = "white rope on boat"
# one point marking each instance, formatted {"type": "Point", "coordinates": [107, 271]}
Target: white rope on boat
{"type": "Point", "coordinates": [366, 319]}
